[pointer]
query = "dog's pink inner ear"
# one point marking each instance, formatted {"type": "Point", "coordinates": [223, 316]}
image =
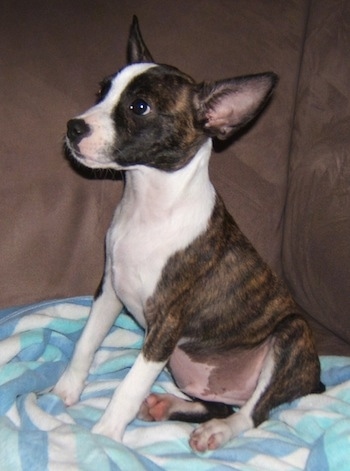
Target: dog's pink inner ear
{"type": "Point", "coordinates": [230, 104]}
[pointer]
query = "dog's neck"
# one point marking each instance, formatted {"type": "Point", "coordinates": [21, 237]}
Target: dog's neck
{"type": "Point", "coordinates": [154, 194]}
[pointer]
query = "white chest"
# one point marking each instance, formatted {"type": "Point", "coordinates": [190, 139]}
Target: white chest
{"type": "Point", "coordinates": [159, 215]}
{"type": "Point", "coordinates": [138, 258]}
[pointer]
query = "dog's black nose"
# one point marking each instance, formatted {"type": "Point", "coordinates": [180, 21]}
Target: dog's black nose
{"type": "Point", "coordinates": [77, 129]}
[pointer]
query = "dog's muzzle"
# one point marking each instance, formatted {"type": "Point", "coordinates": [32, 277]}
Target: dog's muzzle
{"type": "Point", "coordinates": [77, 129]}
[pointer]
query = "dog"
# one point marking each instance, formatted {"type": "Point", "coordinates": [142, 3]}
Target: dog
{"type": "Point", "coordinates": [213, 312]}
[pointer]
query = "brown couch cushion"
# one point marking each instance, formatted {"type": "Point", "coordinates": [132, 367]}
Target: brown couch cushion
{"type": "Point", "coordinates": [52, 220]}
{"type": "Point", "coordinates": [52, 56]}
{"type": "Point", "coordinates": [317, 230]}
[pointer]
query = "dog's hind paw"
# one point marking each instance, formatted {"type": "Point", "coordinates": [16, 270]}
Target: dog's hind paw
{"type": "Point", "coordinates": [156, 407]}
{"type": "Point", "coordinates": [210, 435]}
{"type": "Point", "coordinates": [217, 432]}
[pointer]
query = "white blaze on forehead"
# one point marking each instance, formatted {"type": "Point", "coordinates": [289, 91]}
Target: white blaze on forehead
{"type": "Point", "coordinates": [122, 80]}
{"type": "Point", "coordinates": [118, 85]}
{"type": "Point", "coordinates": [94, 149]}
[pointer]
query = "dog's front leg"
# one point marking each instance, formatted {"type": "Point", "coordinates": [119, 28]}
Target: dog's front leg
{"type": "Point", "coordinates": [160, 342]}
{"type": "Point", "coordinates": [128, 397]}
{"type": "Point", "coordinates": [104, 311]}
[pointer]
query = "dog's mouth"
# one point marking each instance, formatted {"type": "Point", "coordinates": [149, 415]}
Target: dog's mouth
{"type": "Point", "coordinates": [97, 159]}
{"type": "Point", "coordinates": [72, 150]}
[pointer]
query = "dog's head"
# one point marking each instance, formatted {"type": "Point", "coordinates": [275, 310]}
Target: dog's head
{"type": "Point", "coordinates": [154, 115]}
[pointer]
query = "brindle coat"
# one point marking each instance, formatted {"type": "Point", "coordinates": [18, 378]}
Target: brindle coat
{"type": "Point", "coordinates": [213, 310]}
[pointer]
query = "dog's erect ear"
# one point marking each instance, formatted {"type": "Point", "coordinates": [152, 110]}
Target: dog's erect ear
{"type": "Point", "coordinates": [226, 106]}
{"type": "Point", "coordinates": [137, 49]}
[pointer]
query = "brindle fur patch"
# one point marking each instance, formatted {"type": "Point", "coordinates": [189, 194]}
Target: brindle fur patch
{"type": "Point", "coordinates": [219, 297]}
{"type": "Point", "coordinates": [142, 139]}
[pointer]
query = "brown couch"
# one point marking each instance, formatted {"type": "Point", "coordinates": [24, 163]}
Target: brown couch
{"type": "Point", "coordinates": [286, 180]}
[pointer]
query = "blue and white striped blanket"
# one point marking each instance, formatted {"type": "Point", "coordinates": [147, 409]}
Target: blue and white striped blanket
{"type": "Point", "coordinates": [37, 432]}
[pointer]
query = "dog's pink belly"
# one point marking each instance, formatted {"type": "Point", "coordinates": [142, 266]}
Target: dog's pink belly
{"type": "Point", "coordinates": [228, 377]}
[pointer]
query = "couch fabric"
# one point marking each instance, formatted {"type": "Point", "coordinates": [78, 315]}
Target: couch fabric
{"type": "Point", "coordinates": [286, 180]}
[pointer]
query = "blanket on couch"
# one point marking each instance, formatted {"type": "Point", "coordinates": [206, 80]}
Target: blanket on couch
{"type": "Point", "coordinates": [37, 432]}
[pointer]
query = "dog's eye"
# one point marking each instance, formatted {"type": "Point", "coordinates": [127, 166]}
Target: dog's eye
{"type": "Point", "coordinates": [140, 107]}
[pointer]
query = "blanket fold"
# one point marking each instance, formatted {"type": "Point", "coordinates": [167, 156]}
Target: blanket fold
{"type": "Point", "coordinates": [37, 431]}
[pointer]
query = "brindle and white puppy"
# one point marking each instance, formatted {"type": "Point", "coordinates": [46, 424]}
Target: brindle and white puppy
{"type": "Point", "coordinates": [213, 311]}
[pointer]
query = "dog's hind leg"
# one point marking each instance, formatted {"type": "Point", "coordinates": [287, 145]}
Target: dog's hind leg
{"type": "Point", "coordinates": [217, 432]}
{"type": "Point", "coordinates": [291, 369]}
{"type": "Point", "coordinates": [158, 407]}
{"type": "Point", "coordinates": [297, 366]}
{"type": "Point", "coordinates": [103, 314]}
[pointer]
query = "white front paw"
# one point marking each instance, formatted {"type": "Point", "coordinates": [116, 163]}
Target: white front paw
{"type": "Point", "coordinates": [107, 427]}
{"type": "Point", "coordinates": [69, 387]}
